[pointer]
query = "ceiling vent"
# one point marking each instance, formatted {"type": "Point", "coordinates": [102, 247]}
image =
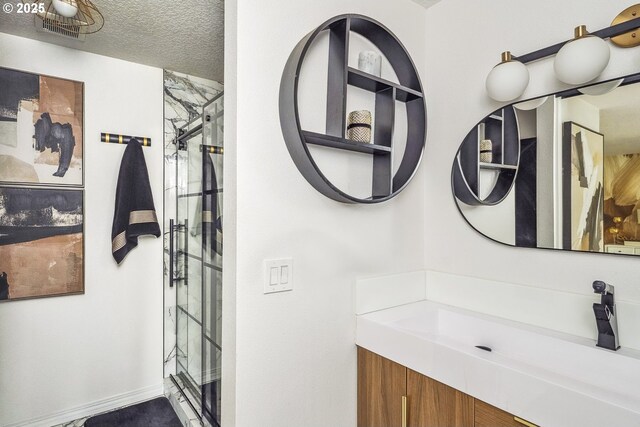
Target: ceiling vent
{"type": "Point", "coordinates": [72, 19]}
{"type": "Point", "coordinates": [53, 26]}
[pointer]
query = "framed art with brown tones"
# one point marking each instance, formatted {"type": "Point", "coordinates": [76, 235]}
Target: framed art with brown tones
{"type": "Point", "coordinates": [41, 242]}
{"type": "Point", "coordinates": [583, 187]}
{"type": "Point", "coordinates": [41, 129]}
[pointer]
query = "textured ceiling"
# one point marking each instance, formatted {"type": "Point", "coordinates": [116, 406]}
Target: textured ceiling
{"type": "Point", "coordinates": [426, 3]}
{"type": "Point", "coordinates": [619, 118]}
{"type": "Point", "coordinates": [179, 35]}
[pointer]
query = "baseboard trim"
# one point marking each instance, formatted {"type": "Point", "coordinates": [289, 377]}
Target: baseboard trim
{"type": "Point", "coordinates": [93, 408]}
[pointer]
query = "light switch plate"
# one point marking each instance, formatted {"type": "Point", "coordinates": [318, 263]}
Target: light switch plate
{"type": "Point", "coordinates": [274, 279]}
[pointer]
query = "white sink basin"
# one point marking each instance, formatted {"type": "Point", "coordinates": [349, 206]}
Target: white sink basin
{"type": "Point", "coordinates": [549, 378]}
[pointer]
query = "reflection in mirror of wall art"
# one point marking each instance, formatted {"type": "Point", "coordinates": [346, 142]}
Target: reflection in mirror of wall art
{"type": "Point", "coordinates": [574, 183]}
{"type": "Point", "coordinates": [41, 129]}
{"type": "Point", "coordinates": [583, 158]}
{"type": "Point", "coordinates": [622, 199]}
{"type": "Point", "coordinates": [41, 242]}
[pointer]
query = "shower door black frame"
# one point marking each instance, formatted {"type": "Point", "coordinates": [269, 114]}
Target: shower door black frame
{"type": "Point", "coordinates": [181, 142]}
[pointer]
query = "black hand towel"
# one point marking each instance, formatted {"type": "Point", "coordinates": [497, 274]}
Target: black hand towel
{"type": "Point", "coordinates": [212, 223]}
{"type": "Point", "coordinates": [207, 220]}
{"type": "Point", "coordinates": [135, 213]}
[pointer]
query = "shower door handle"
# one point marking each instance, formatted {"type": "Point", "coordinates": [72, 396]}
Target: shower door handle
{"type": "Point", "coordinates": [185, 262]}
{"type": "Point", "coordinates": [173, 255]}
{"type": "Point", "coordinates": [171, 227]}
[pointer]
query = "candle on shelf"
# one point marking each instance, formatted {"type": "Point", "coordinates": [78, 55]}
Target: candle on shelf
{"type": "Point", "coordinates": [359, 126]}
{"type": "Point", "coordinates": [486, 152]}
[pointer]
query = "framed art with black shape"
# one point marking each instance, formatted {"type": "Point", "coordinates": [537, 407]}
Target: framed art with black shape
{"type": "Point", "coordinates": [41, 242]}
{"type": "Point", "coordinates": [41, 129]}
{"type": "Point", "coordinates": [583, 188]}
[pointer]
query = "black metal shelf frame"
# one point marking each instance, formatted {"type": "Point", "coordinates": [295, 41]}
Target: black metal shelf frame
{"type": "Point", "coordinates": [343, 143]}
{"type": "Point", "coordinates": [496, 166]}
{"type": "Point", "coordinates": [385, 184]}
{"type": "Point", "coordinates": [501, 127]}
{"type": "Point", "coordinates": [376, 84]}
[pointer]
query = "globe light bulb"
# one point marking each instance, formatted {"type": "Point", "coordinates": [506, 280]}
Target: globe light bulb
{"type": "Point", "coordinates": [582, 59]}
{"type": "Point", "coordinates": [68, 8]}
{"type": "Point", "coordinates": [507, 80]}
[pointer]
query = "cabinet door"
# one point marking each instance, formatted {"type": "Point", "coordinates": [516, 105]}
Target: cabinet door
{"type": "Point", "coordinates": [381, 385]}
{"type": "Point", "coordinates": [620, 249]}
{"type": "Point", "coordinates": [433, 404]}
{"type": "Point", "coordinates": [490, 416]}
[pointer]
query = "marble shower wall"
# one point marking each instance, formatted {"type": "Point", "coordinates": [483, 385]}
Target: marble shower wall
{"type": "Point", "coordinates": [184, 97]}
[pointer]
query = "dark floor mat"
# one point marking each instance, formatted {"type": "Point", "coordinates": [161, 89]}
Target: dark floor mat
{"type": "Point", "coordinates": [210, 396]}
{"type": "Point", "coordinates": [154, 413]}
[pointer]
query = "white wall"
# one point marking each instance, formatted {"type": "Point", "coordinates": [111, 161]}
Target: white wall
{"type": "Point", "coordinates": [498, 221]}
{"type": "Point", "coordinates": [578, 110]}
{"type": "Point", "coordinates": [65, 353]}
{"type": "Point", "coordinates": [229, 223]}
{"type": "Point", "coordinates": [521, 27]}
{"type": "Point", "coordinates": [295, 352]}
{"type": "Point", "coordinates": [546, 159]}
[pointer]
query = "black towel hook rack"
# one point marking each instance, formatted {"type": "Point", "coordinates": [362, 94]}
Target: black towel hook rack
{"type": "Point", "coordinates": [113, 138]}
{"type": "Point", "coordinates": [212, 149]}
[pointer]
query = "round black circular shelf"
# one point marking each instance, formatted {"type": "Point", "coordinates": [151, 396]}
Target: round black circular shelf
{"type": "Point", "coordinates": [501, 127]}
{"type": "Point", "coordinates": [385, 184]}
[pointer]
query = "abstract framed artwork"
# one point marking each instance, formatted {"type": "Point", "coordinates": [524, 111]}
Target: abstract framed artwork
{"type": "Point", "coordinates": [583, 180]}
{"type": "Point", "coordinates": [622, 198]}
{"type": "Point", "coordinates": [41, 242]}
{"type": "Point", "coordinates": [41, 129]}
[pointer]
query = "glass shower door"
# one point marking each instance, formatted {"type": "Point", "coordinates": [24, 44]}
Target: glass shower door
{"type": "Point", "coordinates": [198, 257]}
{"type": "Point", "coordinates": [212, 168]}
{"type": "Point", "coordinates": [189, 289]}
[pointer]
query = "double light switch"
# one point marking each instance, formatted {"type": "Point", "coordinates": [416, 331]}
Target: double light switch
{"type": "Point", "coordinates": [278, 275]}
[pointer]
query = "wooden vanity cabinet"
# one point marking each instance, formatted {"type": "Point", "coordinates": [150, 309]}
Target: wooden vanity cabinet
{"type": "Point", "coordinates": [490, 416]}
{"type": "Point", "coordinates": [381, 386]}
{"type": "Point", "coordinates": [431, 403]}
{"type": "Point", "coordinates": [391, 395]}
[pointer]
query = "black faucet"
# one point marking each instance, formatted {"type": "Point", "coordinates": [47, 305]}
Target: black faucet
{"type": "Point", "coordinates": [606, 320]}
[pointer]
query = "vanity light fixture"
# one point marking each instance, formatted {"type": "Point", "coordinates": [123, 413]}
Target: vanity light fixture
{"type": "Point", "coordinates": [582, 59]}
{"type": "Point", "coordinates": [601, 88]}
{"type": "Point", "coordinates": [507, 80]}
{"type": "Point", "coordinates": [630, 38]}
{"type": "Point", "coordinates": [66, 8]}
{"type": "Point", "coordinates": [532, 104]}
{"type": "Point", "coordinates": [69, 18]}
{"type": "Point", "coordinates": [578, 61]}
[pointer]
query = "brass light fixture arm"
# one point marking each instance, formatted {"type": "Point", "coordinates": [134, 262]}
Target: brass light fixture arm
{"type": "Point", "coordinates": [605, 33]}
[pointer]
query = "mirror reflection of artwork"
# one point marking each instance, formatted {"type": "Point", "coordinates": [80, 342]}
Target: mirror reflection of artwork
{"type": "Point", "coordinates": [622, 199]}
{"type": "Point", "coordinates": [41, 129]}
{"type": "Point", "coordinates": [41, 242]}
{"type": "Point", "coordinates": [577, 182]}
{"type": "Point", "coordinates": [583, 158]}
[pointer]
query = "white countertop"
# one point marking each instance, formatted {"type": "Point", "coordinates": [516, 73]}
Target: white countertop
{"type": "Point", "coordinates": [546, 377]}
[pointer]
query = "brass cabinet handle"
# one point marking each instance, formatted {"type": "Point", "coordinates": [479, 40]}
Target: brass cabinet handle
{"type": "Point", "coordinates": [404, 411]}
{"type": "Point", "coordinates": [523, 422]}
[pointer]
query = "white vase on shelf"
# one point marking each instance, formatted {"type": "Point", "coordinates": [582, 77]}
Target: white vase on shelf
{"type": "Point", "coordinates": [370, 62]}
